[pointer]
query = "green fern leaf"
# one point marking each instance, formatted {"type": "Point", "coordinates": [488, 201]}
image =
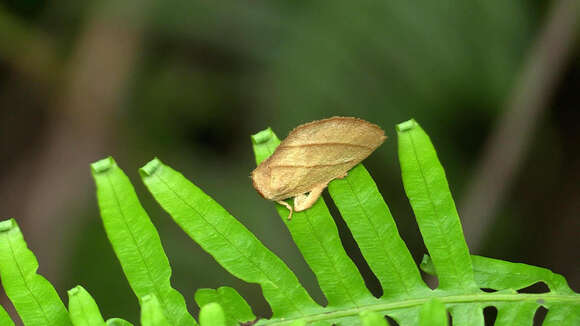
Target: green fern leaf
{"type": "Point", "coordinates": [212, 314]}
{"type": "Point", "coordinates": [34, 298]}
{"type": "Point", "coordinates": [83, 309]}
{"type": "Point", "coordinates": [152, 312]}
{"type": "Point", "coordinates": [4, 318]}
{"type": "Point", "coordinates": [508, 277]}
{"type": "Point", "coordinates": [501, 275]}
{"type": "Point", "coordinates": [236, 308]}
{"type": "Point", "coordinates": [433, 314]}
{"type": "Point", "coordinates": [371, 318]}
{"type": "Point", "coordinates": [434, 208]}
{"type": "Point", "coordinates": [118, 322]}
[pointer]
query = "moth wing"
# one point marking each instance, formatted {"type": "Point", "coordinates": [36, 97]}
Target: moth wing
{"type": "Point", "coordinates": [337, 130]}
{"type": "Point", "coordinates": [317, 152]}
{"type": "Point", "coordinates": [319, 165]}
{"type": "Point", "coordinates": [320, 151]}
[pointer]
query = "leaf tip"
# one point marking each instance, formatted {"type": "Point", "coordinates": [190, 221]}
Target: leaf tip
{"type": "Point", "coordinates": [426, 265]}
{"type": "Point", "coordinates": [212, 314]}
{"type": "Point", "coordinates": [149, 169]}
{"type": "Point", "coordinates": [262, 136]}
{"type": "Point", "coordinates": [103, 165]}
{"type": "Point", "coordinates": [407, 125]}
{"type": "Point", "coordinates": [74, 291]}
{"type": "Point", "coordinates": [8, 225]}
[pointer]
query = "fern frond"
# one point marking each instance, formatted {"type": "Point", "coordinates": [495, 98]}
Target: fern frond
{"type": "Point", "coordinates": [34, 298]}
{"type": "Point", "coordinates": [406, 298]}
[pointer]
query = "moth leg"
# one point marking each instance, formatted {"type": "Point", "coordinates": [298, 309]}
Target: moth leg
{"type": "Point", "coordinates": [303, 202]}
{"type": "Point", "coordinates": [343, 175]}
{"type": "Point", "coordinates": [281, 202]}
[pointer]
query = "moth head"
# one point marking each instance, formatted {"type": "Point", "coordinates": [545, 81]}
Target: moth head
{"type": "Point", "coordinates": [261, 180]}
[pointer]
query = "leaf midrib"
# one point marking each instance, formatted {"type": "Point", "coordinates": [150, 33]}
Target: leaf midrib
{"type": "Point", "coordinates": [448, 299]}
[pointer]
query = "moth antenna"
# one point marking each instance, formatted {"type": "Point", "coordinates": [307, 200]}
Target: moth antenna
{"type": "Point", "coordinates": [281, 202]}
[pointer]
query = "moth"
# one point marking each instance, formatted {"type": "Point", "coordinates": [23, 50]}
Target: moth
{"type": "Point", "coordinates": [312, 155]}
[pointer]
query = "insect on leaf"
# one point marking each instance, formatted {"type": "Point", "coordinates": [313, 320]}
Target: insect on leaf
{"type": "Point", "coordinates": [311, 156]}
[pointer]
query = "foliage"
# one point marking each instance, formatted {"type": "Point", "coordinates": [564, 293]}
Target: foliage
{"type": "Point", "coordinates": [33, 296]}
{"type": "Point", "coordinates": [83, 309]}
{"type": "Point", "coordinates": [136, 241]}
{"type": "Point", "coordinates": [406, 298]}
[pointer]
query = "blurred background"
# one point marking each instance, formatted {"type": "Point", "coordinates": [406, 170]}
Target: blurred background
{"type": "Point", "coordinates": [495, 83]}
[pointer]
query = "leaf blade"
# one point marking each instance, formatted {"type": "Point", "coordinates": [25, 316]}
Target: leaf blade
{"type": "Point", "coordinates": [212, 314]}
{"type": "Point", "coordinates": [433, 313]}
{"type": "Point", "coordinates": [34, 298]}
{"type": "Point", "coordinates": [428, 192]}
{"type": "Point", "coordinates": [83, 309]}
{"type": "Point", "coordinates": [136, 241]}
{"type": "Point", "coordinates": [151, 312]}
{"type": "Point", "coordinates": [371, 318]}
{"type": "Point", "coordinates": [491, 273]}
{"type": "Point", "coordinates": [118, 322]}
{"type": "Point", "coordinates": [559, 315]}
{"type": "Point", "coordinates": [470, 314]}
{"type": "Point", "coordinates": [515, 313]}
{"type": "Point", "coordinates": [236, 309]}
{"type": "Point", "coordinates": [4, 318]}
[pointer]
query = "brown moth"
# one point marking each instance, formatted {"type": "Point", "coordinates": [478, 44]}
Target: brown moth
{"type": "Point", "coordinates": [312, 155]}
